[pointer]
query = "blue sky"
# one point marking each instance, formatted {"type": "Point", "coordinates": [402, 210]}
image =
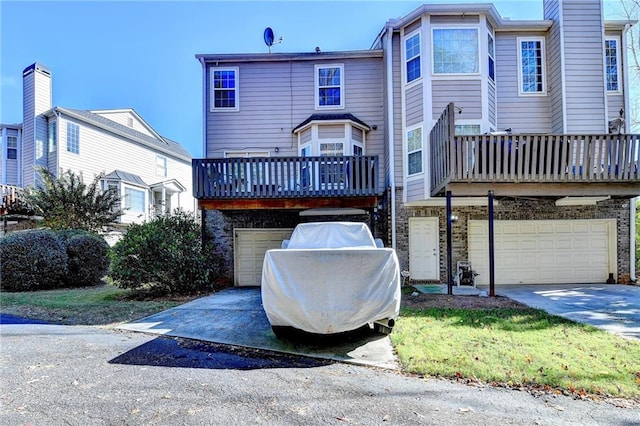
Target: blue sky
{"type": "Point", "coordinates": [141, 55]}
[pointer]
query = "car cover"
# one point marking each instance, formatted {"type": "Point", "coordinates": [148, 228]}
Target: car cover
{"type": "Point", "coordinates": [331, 278]}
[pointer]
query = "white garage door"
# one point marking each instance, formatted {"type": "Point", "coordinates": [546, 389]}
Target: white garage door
{"type": "Point", "coordinates": [250, 246]}
{"type": "Point", "coordinates": [545, 251]}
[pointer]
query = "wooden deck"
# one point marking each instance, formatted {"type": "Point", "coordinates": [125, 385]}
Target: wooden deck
{"type": "Point", "coordinates": [533, 164]}
{"type": "Point", "coordinates": [285, 178]}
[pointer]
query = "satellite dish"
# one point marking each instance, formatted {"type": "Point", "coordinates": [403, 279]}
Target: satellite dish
{"type": "Point", "coordinates": [268, 36]}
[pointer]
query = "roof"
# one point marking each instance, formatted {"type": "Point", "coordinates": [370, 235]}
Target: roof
{"type": "Point", "coordinates": [125, 177]}
{"type": "Point", "coordinates": [332, 117]}
{"type": "Point", "coordinates": [163, 144]}
{"type": "Point", "coordinates": [276, 57]}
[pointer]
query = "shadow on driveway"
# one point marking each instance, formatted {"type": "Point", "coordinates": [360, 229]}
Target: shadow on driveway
{"type": "Point", "coordinates": [611, 307]}
{"type": "Point", "coordinates": [236, 317]}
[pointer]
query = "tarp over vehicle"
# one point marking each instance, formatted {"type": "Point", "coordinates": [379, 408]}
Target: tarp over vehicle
{"type": "Point", "coordinates": [332, 278]}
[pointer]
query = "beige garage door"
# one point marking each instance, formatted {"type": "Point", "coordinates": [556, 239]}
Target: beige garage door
{"type": "Point", "coordinates": [250, 246]}
{"type": "Point", "coordinates": [545, 251]}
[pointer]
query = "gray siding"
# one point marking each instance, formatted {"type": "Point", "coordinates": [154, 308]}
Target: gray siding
{"type": "Point", "coordinates": [585, 89]}
{"type": "Point", "coordinates": [454, 19]}
{"type": "Point", "coordinates": [521, 113]}
{"type": "Point", "coordinates": [414, 104]}
{"type": "Point", "coordinates": [36, 100]}
{"type": "Point", "coordinates": [466, 94]}
{"type": "Point", "coordinates": [275, 97]}
{"type": "Point", "coordinates": [491, 95]}
{"type": "Point", "coordinates": [397, 109]}
{"type": "Point", "coordinates": [415, 190]}
{"type": "Point", "coordinates": [331, 131]}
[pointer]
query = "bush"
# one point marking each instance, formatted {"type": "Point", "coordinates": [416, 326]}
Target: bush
{"type": "Point", "coordinates": [88, 255]}
{"type": "Point", "coordinates": [32, 260]}
{"type": "Point", "coordinates": [163, 256]}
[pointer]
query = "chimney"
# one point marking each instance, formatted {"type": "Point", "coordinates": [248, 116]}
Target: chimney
{"type": "Point", "coordinates": [36, 99]}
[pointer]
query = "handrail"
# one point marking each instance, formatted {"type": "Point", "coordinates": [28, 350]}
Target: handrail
{"type": "Point", "coordinates": [285, 177]}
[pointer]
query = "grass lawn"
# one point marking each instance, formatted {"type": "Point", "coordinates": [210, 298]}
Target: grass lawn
{"type": "Point", "coordinates": [517, 348]}
{"type": "Point", "coordinates": [100, 305]}
{"type": "Point", "coordinates": [507, 347]}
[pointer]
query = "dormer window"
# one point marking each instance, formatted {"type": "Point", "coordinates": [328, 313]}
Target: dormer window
{"type": "Point", "coordinates": [329, 86]}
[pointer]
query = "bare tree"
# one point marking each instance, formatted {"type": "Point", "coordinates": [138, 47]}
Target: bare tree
{"type": "Point", "coordinates": [630, 10]}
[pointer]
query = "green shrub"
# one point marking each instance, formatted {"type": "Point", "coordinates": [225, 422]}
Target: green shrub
{"type": "Point", "coordinates": [163, 256]}
{"type": "Point", "coordinates": [88, 255]}
{"type": "Point", "coordinates": [32, 260]}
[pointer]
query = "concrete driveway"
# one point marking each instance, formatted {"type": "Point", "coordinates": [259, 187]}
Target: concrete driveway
{"type": "Point", "coordinates": [611, 307]}
{"type": "Point", "coordinates": [235, 316]}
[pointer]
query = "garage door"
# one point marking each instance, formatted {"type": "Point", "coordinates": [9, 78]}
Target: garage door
{"type": "Point", "coordinates": [545, 251]}
{"type": "Point", "coordinates": [250, 246]}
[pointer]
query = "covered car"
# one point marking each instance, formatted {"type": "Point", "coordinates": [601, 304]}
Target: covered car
{"type": "Point", "coordinates": [332, 277]}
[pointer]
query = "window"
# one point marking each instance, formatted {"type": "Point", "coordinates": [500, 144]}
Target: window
{"type": "Point", "coordinates": [329, 86]}
{"type": "Point", "coordinates": [161, 165]}
{"type": "Point", "coordinates": [12, 148]}
{"type": "Point", "coordinates": [412, 56]}
{"type": "Point", "coordinates": [612, 61]}
{"type": "Point", "coordinates": [414, 151]}
{"type": "Point", "coordinates": [134, 199]}
{"type": "Point", "coordinates": [52, 136]}
{"type": "Point", "coordinates": [492, 61]}
{"type": "Point", "coordinates": [73, 138]}
{"type": "Point", "coordinates": [531, 70]}
{"type": "Point", "coordinates": [467, 129]}
{"type": "Point", "coordinates": [224, 89]}
{"type": "Point", "coordinates": [455, 51]}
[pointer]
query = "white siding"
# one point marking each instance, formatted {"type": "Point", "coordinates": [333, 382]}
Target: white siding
{"type": "Point", "coordinates": [36, 100]}
{"type": "Point", "coordinates": [521, 113]}
{"type": "Point", "coordinates": [126, 118]}
{"type": "Point", "coordinates": [102, 152]}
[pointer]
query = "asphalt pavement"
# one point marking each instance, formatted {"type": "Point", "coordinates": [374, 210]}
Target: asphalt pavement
{"type": "Point", "coordinates": [81, 375]}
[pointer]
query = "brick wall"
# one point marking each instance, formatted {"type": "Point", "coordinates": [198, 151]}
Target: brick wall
{"type": "Point", "coordinates": [219, 226]}
{"type": "Point", "coordinates": [509, 209]}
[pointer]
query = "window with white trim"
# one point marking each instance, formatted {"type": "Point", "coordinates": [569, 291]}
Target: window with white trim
{"type": "Point", "coordinates": [492, 56]}
{"type": "Point", "coordinates": [612, 60]}
{"type": "Point", "coordinates": [134, 199]}
{"type": "Point", "coordinates": [52, 136]}
{"type": "Point", "coordinates": [414, 151]}
{"type": "Point", "coordinates": [531, 69]}
{"type": "Point", "coordinates": [329, 86]}
{"type": "Point", "coordinates": [73, 138]}
{"type": "Point", "coordinates": [467, 129]}
{"type": "Point", "coordinates": [161, 165]}
{"type": "Point", "coordinates": [224, 89]}
{"type": "Point", "coordinates": [455, 51]}
{"type": "Point", "coordinates": [12, 148]}
{"type": "Point", "coordinates": [412, 57]}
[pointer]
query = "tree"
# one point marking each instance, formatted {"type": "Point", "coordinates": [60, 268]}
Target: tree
{"type": "Point", "coordinates": [630, 10]}
{"type": "Point", "coordinates": [68, 203]}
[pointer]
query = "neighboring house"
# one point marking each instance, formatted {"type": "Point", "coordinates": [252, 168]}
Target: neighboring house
{"type": "Point", "coordinates": [451, 98]}
{"type": "Point", "coordinates": [151, 173]}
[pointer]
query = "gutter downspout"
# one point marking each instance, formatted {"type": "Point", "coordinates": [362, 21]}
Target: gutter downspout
{"type": "Point", "coordinates": [632, 201]}
{"type": "Point", "coordinates": [204, 107]}
{"type": "Point", "coordinates": [388, 49]}
{"type": "Point", "coordinates": [632, 242]}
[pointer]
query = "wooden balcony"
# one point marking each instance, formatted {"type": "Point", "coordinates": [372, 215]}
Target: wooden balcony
{"type": "Point", "coordinates": [533, 164]}
{"type": "Point", "coordinates": [286, 182]}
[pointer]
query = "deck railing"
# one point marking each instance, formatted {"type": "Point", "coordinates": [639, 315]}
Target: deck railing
{"type": "Point", "coordinates": [285, 177]}
{"type": "Point", "coordinates": [532, 158]}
